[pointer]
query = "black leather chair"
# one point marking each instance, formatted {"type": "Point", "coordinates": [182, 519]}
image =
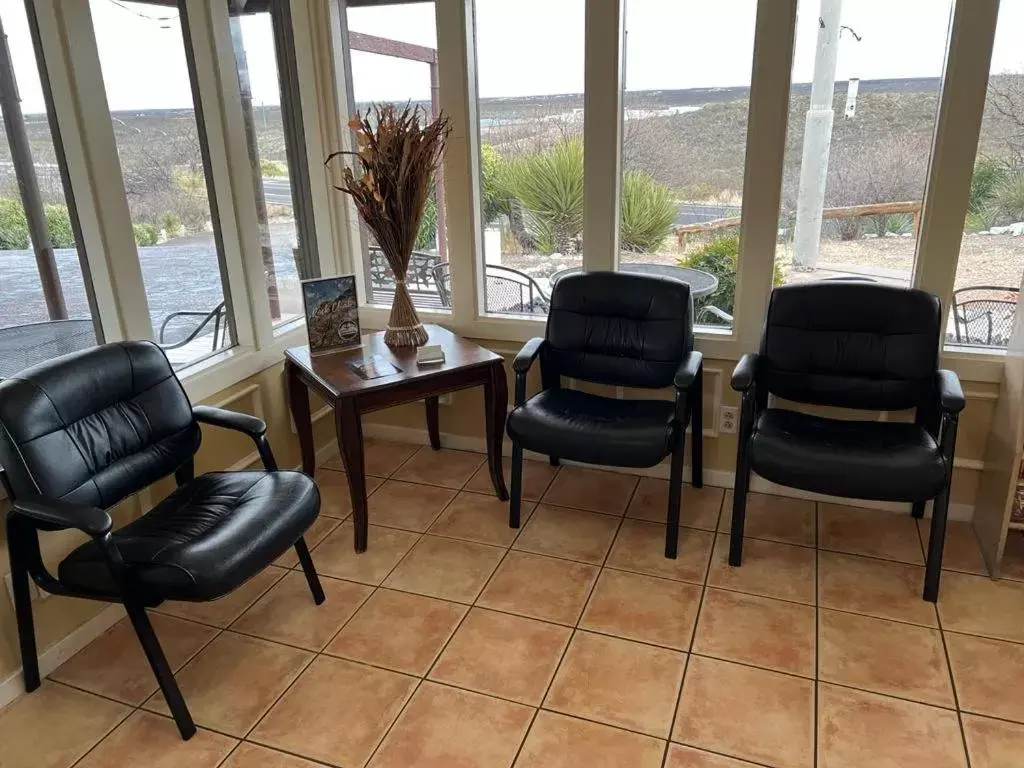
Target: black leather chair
{"type": "Point", "coordinates": [623, 330]}
{"type": "Point", "coordinates": [82, 432]}
{"type": "Point", "coordinates": [861, 346]}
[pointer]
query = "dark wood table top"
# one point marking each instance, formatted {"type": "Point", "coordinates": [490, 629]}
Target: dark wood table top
{"type": "Point", "coordinates": [333, 372]}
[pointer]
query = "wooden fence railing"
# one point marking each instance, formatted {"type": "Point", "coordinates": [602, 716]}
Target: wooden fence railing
{"type": "Point", "coordinates": [845, 212]}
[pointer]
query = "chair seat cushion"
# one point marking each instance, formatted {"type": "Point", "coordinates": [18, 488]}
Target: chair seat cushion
{"type": "Point", "coordinates": [209, 536]}
{"type": "Point", "coordinates": [597, 430]}
{"type": "Point", "coordinates": [882, 460]}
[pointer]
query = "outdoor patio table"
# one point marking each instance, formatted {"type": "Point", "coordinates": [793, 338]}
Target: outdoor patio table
{"type": "Point", "coordinates": [22, 346]}
{"type": "Point", "coordinates": [701, 283]}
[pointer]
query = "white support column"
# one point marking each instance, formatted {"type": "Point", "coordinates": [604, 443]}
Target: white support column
{"type": "Point", "coordinates": [957, 127]}
{"type": "Point", "coordinates": [602, 133]}
{"type": "Point", "coordinates": [456, 63]}
{"type": "Point", "coordinates": [232, 176]}
{"type": "Point", "coordinates": [80, 103]}
{"type": "Point", "coordinates": [762, 177]}
{"type": "Point", "coordinates": [817, 138]}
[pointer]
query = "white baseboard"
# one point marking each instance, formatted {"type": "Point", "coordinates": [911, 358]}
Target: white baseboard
{"type": "Point", "coordinates": [62, 650]}
{"type": "Point", "coordinates": [714, 477]}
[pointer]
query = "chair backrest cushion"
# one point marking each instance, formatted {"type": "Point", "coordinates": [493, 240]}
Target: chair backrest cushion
{"type": "Point", "coordinates": [851, 344]}
{"type": "Point", "coordinates": [619, 329]}
{"type": "Point", "coordinates": [95, 426]}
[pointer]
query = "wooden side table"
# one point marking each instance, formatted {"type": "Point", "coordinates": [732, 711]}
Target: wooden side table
{"type": "Point", "coordinates": [330, 376]}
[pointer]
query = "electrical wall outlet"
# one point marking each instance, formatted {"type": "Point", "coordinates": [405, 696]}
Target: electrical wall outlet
{"type": "Point", "coordinates": [445, 399]}
{"type": "Point", "coordinates": [33, 589]}
{"type": "Point", "coordinates": [727, 417]}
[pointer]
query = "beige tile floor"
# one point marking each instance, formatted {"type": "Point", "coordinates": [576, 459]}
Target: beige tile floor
{"type": "Point", "coordinates": [456, 642]}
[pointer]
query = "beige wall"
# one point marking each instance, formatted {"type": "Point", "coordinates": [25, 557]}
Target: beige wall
{"type": "Point", "coordinates": [263, 395]}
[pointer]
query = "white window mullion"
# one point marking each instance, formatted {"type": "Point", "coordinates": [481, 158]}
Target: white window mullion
{"type": "Point", "coordinates": [80, 104]}
{"type": "Point", "coordinates": [602, 133]}
{"type": "Point", "coordinates": [456, 62]}
{"type": "Point", "coordinates": [957, 127]}
{"type": "Point", "coordinates": [774, 37]}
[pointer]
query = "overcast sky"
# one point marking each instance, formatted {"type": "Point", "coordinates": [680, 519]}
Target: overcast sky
{"type": "Point", "coordinates": [527, 47]}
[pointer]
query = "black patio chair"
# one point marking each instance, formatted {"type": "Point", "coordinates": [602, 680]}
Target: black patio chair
{"type": "Point", "coordinates": [983, 315]}
{"type": "Point", "coordinates": [507, 290]}
{"type": "Point", "coordinates": [79, 434]}
{"type": "Point", "coordinates": [217, 316]}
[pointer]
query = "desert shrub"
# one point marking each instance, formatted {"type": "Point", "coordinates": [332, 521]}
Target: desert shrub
{"type": "Point", "coordinates": [58, 224]}
{"type": "Point", "coordinates": [1008, 197]}
{"type": "Point", "coordinates": [13, 226]}
{"type": "Point", "coordinates": [426, 236]}
{"type": "Point", "coordinates": [648, 211]}
{"type": "Point", "coordinates": [719, 257]}
{"type": "Point", "coordinates": [989, 173]}
{"type": "Point", "coordinates": [549, 184]}
{"type": "Point", "coordinates": [171, 224]}
{"type": "Point", "coordinates": [980, 221]}
{"type": "Point", "coordinates": [897, 223]}
{"type": "Point", "coordinates": [145, 234]}
{"type": "Point", "coordinates": [496, 183]}
{"type": "Point", "coordinates": [272, 169]}
{"type": "Point", "coordinates": [849, 228]}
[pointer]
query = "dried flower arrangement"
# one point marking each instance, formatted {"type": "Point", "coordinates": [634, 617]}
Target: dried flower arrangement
{"type": "Point", "coordinates": [398, 152]}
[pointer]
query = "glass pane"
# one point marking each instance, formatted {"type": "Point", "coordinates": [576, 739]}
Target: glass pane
{"type": "Point", "coordinates": [147, 79]}
{"type": "Point", "coordinates": [36, 324]}
{"type": "Point", "coordinates": [684, 141]}
{"type": "Point", "coordinates": [405, 74]}
{"type": "Point", "coordinates": [988, 274]}
{"type": "Point", "coordinates": [531, 134]}
{"type": "Point", "coordinates": [252, 35]}
{"type": "Point", "coordinates": [862, 113]}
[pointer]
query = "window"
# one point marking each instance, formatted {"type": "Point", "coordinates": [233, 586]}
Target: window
{"type": "Point", "coordinates": [46, 308]}
{"type": "Point", "coordinates": [530, 61]}
{"type": "Point", "coordinates": [273, 125]}
{"type": "Point", "coordinates": [393, 51]}
{"type": "Point", "coordinates": [862, 109]}
{"type": "Point", "coordinates": [145, 59]}
{"type": "Point", "coordinates": [988, 275]}
{"type": "Point", "coordinates": [684, 138]}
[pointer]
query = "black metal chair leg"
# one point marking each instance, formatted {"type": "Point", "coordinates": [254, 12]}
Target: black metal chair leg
{"type": "Point", "coordinates": [936, 542]}
{"type": "Point", "coordinates": [917, 510]}
{"type": "Point", "coordinates": [697, 432]}
{"type": "Point", "coordinates": [161, 669]}
{"type": "Point", "coordinates": [553, 460]}
{"type": "Point", "coordinates": [675, 489]}
{"type": "Point", "coordinates": [516, 491]}
{"type": "Point", "coordinates": [310, 570]}
{"type": "Point", "coordinates": [739, 511]}
{"type": "Point", "coordinates": [26, 626]}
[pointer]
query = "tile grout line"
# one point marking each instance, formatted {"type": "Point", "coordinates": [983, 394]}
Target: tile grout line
{"type": "Point", "coordinates": [693, 633]}
{"type": "Point", "coordinates": [576, 626]}
{"type": "Point", "coordinates": [949, 666]}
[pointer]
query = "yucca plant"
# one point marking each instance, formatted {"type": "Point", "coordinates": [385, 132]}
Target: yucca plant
{"type": "Point", "coordinates": [1008, 197]}
{"type": "Point", "coordinates": [648, 211]}
{"type": "Point", "coordinates": [549, 185]}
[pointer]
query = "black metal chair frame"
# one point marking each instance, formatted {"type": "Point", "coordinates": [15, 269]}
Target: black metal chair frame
{"type": "Point", "coordinates": [217, 315]}
{"type": "Point", "coordinates": [689, 398]}
{"type": "Point", "coordinates": [418, 279]}
{"type": "Point", "coordinates": [27, 517]}
{"type": "Point", "coordinates": [535, 300]}
{"type": "Point", "coordinates": [960, 311]}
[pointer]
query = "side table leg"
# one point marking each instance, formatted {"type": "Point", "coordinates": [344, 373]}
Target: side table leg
{"type": "Point", "coordinates": [433, 427]}
{"type": "Point", "coordinates": [298, 398]}
{"type": "Point", "coordinates": [350, 442]}
{"type": "Point", "coordinates": [496, 407]}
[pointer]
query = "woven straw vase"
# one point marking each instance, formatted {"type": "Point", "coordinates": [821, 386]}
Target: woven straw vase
{"type": "Point", "coordinates": [404, 326]}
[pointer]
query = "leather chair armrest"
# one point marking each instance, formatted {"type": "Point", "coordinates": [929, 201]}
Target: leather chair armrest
{"type": "Point", "coordinates": [526, 355]}
{"type": "Point", "coordinates": [744, 375]}
{"type": "Point", "coordinates": [687, 372]}
{"type": "Point", "coordinates": [60, 515]}
{"type": "Point", "coordinates": [220, 417]}
{"type": "Point", "coordinates": [950, 393]}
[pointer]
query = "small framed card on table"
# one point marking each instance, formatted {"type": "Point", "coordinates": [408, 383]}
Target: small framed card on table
{"type": "Point", "coordinates": [332, 313]}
